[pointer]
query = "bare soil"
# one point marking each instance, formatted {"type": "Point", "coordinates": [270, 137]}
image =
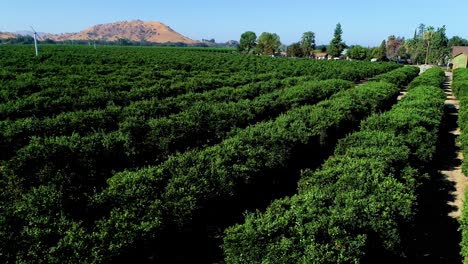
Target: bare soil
{"type": "Point", "coordinates": [435, 237]}
{"type": "Point", "coordinates": [454, 173]}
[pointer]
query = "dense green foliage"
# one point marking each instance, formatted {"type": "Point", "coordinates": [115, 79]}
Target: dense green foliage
{"type": "Point", "coordinates": [400, 77]}
{"type": "Point", "coordinates": [304, 48]}
{"type": "Point", "coordinates": [433, 77]}
{"type": "Point", "coordinates": [114, 152]}
{"type": "Point", "coordinates": [357, 53]}
{"type": "Point", "coordinates": [247, 42]}
{"type": "Point", "coordinates": [140, 119]}
{"type": "Point", "coordinates": [358, 204]}
{"type": "Point", "coordinates": [337, 45]}
{"type": "Point", "coordinates": [230, 170]}
{"type": "Point", "coordinates": [430, 45]}
{"type": "Point", "coordinates": [268, 44]}
{"type": "Point", "coordinates": [308, 43]}
{"type": "Point", "coordinates": [380, 53]}
{"type": "Point", "coordinates": [460, 89]}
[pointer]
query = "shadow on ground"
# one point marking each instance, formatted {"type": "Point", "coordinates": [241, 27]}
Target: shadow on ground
{"type": "Point", "coordinates": [435, 237]}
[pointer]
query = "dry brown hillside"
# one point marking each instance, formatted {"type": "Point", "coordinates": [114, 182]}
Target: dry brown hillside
{"type": "Point", "coordinates": [136, 30]}
{"type": "Point", "coordinates": [7, 35]}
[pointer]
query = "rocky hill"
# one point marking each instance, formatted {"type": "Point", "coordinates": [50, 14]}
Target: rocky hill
{"type": "Point", "coordinates": [7, 35]}
{"type": "Point", "coordinates": [136, 30]}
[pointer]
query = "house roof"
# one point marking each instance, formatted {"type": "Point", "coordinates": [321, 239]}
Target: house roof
{"type": "Point", "coordinates": [457, 50]}
{"type": "Point", "coordinates": [321, 54]}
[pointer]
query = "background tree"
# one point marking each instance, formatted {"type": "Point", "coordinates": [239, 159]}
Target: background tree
{"type": "Point", "coordinates": [308, 43]}
{"type": "Point", "coordinates": [439, 50]}
{"type": "Point", "coordinates": [295, 50]}
{"type": "Point", "coordinates": [428, 45]}
{"type": "Point", "coordinates": [393, 46]}
{"type": "Point", "coordinates": [322, 48]}
{"type": "Point", "coordinates": [403, 52]}
{"type": "Point", "coordinates": [336, 45]}
{"type": "Point", "coordinates": [457, 41]}
{"type": "Point", "coordinates": [357, 53]}
{"type": "Point", "coordinates": [247, 41]}
{"type": "Point", "coordinates": [268, 43]}
{"type": "Point", "coordinates": [427, 38]}
{"type": "Point", "coordinates": [380, 53]}
{"type": "Point", "coordinates": [415, 47]}
{"type": "Point", "coordinates": [420, 31]}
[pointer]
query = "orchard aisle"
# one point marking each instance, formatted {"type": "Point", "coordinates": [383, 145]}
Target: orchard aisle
{"type": "Point", "coordinates": [436, 235]}
{"type": "Point", "coordinates": [454, 173]}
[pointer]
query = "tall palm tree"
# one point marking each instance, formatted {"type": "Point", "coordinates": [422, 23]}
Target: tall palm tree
{"type": "Point", "coordinates": [428, 37]}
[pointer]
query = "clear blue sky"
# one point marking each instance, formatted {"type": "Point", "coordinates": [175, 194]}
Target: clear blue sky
{"type": "Point", "coordinates": [364, 22]}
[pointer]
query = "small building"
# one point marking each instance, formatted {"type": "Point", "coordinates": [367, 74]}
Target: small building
{"type": "Point", "coordinates": [321, 55]}
{"type": "Point", "coordinates": [280, 54]}
{"type": "Point", "coordinates": [460, 57]}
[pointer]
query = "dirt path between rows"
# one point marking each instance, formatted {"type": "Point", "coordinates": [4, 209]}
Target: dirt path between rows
{"type": "Point", "coordinates": [435, 237]}
{"type": "Point", "coordinates": [454, 173]}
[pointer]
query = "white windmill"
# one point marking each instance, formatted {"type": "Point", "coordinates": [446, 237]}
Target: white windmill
{"type": "Point", "coordinates": [35, 41]}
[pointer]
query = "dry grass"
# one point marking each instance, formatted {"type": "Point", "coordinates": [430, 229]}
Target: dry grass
{"type": "Point", "coordinates": [136, 30]}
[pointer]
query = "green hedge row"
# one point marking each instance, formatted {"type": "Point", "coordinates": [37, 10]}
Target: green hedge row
{"type": "Point", "coordinates": [150, 204]}
{"type": "Point", "coordinates": [359, 203]}
{"type": "Point", "coordinates": [153, 108]}
{"type": "Point", "coordinates": [86, 162]}
{"type": "Point", "coordinates": [460, 89]}
{"type": "Point", "coordinates": [83, 96]}
{"type": "Point", "coordinates": [53, 208]}
{"type": "Point", "coordinates": [432, 76]}
{"type": "Point", "coordinates": [15, 134]}
{"type": "Point", "coordinates": [459, 84]}
{"type": "Point", "coordinates": [76, 78]}
{"type": "Point", "coordinates": [208, 123]}
{"type": "Point", "coordinates": [160, 200]}
{"type": "Point", "coordinates": [400, 77]}
{"type": "Point", "coordinates": [152, 141]}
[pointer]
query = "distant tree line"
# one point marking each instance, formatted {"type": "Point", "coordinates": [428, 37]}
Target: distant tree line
{"type": "Point", "coordinates": [20, 39]}
{"type": "Point", "coordinates": [429, 45]}
{"type": "Point", "coordinates": [266, 44]}
{"type": "Point", "coordinates": [270, 43]}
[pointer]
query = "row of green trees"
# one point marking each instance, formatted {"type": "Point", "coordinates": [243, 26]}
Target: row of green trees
{"type": "Point", "coordinates": [266, 44]}
{"type": "Point", "coordinates": [460, 89]}
{"type": "Point", "coordinates": [71, 167]}
{"type": "Point", "coordinates": [155, 203]}
{"type": "Point", "coordinates": [401, 77]}
{"type": "Point", "coordinates": [429, 46]}
{"type": "Point", "coordinates": [75, 121]}
{"type": "Point", "coordinates": [139, 143]}
{"type": "Point", "coordinates": [16, 133]}
{"type": "Point", "coordinates": [269, 44]}
{"type": "Point", "coordinates": [98, 73]}
{"type": "Point", "coordinates": [359, 206]}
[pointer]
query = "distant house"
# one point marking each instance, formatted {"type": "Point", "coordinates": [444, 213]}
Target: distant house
{"type": "Point", "coordinates": [280, 54]}
{"type": "Point", "coordinates": [321, 56]}
{"type": "Point", "coordinates": [460, 57]}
